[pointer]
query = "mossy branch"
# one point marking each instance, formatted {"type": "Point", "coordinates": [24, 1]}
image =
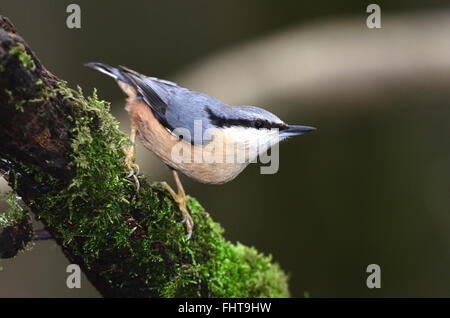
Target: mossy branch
{"type": "Point", "coordinates": [64, 155]}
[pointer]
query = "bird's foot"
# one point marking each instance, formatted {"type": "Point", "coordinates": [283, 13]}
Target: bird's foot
{"type": "Point", "coordinates": [180, 199]}
{"type": "Point", "coordinates": [133, 168]}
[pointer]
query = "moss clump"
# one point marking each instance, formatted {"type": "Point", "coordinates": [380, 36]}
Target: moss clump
{"type": "Point", "coordinates": [11, 100]}
{"type": "Point", "coordinates": [14, 214]}
{"type": "Point", "coordinates": [135, 243]}
{"type": "Point", "coordinates": [15, 227]}
{"type": "Point", "coordinates": [25, 58]}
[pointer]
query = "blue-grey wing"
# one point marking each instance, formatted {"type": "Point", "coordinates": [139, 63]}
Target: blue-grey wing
{"type": "Point", "coordinates": [175, 106]}
{"type": "Point", "coordinates": [153, 93]}
{"type": "Point", "coordinates": [189, 110]}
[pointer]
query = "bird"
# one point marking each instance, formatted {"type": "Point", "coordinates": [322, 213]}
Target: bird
{"type": "Point", "coordinates": [184, 128]}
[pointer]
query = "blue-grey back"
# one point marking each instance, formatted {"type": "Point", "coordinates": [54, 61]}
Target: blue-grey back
{"type": "Point", "coordinates": [188, 108]}
{"type": "Point", "coordinates": [175, 106]}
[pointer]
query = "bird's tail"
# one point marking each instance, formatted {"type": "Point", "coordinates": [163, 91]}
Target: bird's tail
{"type": "Point", "coordinates": [108, 70]}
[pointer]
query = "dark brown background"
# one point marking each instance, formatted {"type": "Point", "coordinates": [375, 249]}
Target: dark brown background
{"type": "Point", "coordinates": [370, 186]}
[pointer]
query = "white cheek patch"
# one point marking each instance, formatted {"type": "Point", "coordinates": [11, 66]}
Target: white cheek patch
{"type": "Point", "coordinates": [241, 134]}
{"type": "Point", "coordinates": [252, 142]}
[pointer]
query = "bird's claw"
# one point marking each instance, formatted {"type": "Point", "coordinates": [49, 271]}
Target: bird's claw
{"type": "Point", "coordinates": [137, 185]}
{"type": "Point", "coordinates": [181, 201]}
{"type": "Point", "coordinates": [133, 168]}
{"type": "Point", "coordinates": [189, 234]}
{"type": "Point", "coordinates": [189, 225]}
{"type": "Point", "coordinates": [187, 219]}
{"type": "Point", "coordinates": [130, 174]}
{"type": "Point", "coordinates": [134, 175]}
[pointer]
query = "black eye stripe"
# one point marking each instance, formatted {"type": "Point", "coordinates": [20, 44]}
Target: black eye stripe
{"type": "Point", "coordinates": [227, 122]}
{"type": "Point", "coordinates": [259, 124]}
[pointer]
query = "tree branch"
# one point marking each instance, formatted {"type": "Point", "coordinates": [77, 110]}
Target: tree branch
{"type": "Point", "coordinates": [64, 155]}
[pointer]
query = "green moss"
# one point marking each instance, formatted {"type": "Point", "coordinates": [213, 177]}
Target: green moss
{"type": "Point", "coordinates": [14, 214]}
{"type": "Point", "coordinates": [11, 101]}
{"type": "Point", "coordinates": [16, 230]}
{"type": "Point", "coordinates": [34, 171]}
{"type": "Point", "coordinates": [19, 106]}
{"type": "Point", "coordinates": [136, 242]}
{"type": "Point", "coordinates": [25, 58]}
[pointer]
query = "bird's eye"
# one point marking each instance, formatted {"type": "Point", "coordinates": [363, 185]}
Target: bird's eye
{"type": "Point", "coordinates": [259, 124]}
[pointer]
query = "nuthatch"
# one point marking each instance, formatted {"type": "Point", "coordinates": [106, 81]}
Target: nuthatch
{"type": "Point", "coordinates": [158, 108]}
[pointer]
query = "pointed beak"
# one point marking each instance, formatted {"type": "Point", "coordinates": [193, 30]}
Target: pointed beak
{"type": "Point", "coordinates": [296, 130]}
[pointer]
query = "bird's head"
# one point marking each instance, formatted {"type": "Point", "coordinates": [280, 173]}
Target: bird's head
{"type": "Point", "coordinates": [248, 125]}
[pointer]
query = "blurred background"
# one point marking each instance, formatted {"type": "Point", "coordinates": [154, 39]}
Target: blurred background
{"type": "Point", "coordinates": [371, 185]}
